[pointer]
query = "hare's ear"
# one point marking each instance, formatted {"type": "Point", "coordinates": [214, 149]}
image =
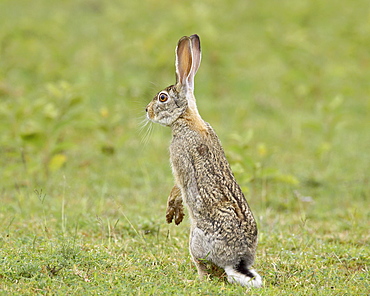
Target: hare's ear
{"type": "Point", "coordinates": [184, 60]}
{"type": "Point", "coordinates": [196, 55]}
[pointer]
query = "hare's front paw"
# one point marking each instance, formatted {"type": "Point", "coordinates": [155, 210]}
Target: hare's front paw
{"type": "Point", "coordinates": [175, 209]}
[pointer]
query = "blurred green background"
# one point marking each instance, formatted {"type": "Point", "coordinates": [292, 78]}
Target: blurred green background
{"type": "Point", "coordinates": [285, 84]}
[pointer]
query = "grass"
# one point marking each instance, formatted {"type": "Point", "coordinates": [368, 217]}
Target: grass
{"type": "Point", "coordinates": [83, 188]}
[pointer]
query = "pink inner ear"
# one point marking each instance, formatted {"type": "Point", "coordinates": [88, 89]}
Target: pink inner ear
{"type": "Point", "coordinates": [183, 60]}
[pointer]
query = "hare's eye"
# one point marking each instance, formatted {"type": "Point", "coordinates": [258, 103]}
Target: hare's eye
{"type": "Point", "coordinates": [163, 97]}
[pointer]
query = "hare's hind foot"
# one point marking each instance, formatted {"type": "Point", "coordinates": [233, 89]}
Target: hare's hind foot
{"type": "Point", "coordinates": [243, 276]}
{"type": "Point", "coordinates": [201, 268]}
{"type": "Point", "coordinates": [207, 269]}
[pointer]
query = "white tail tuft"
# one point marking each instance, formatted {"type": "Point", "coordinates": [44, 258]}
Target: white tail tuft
{"type": "Point", "coordinates": [236, 277]}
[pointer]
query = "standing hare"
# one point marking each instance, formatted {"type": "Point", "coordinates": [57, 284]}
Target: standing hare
{"type": "Point", "coordinates": [223, 229]}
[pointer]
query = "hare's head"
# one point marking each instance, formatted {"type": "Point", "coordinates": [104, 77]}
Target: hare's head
{"type": "Point", "coordinates": [172, 102]}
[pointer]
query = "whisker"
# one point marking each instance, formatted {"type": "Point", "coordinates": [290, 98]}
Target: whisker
{"type": "Point", "coordinates": [153, 83]}
{"type": "Point", "coordinates": [145, 128]}
{"type": "Point", "coordinates": [146, 137]}
{"type": "Point", "coordinates": [143, 122]}
{"type": "Point", "coordinates": [139, 107]}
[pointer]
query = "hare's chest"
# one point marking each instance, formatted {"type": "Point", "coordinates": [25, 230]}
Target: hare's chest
{"type": "Point", "coordinates": [181, 165]}
{"type": "Point", "coordinates": [187, 160]}
{"type": "Point", "coordinates": [184, 167]}
{"type": "Point", "coordinates": [189, 165]}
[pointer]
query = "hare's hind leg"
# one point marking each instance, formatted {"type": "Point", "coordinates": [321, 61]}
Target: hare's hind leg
{"type": "Point", "coordinates": [199, 250]}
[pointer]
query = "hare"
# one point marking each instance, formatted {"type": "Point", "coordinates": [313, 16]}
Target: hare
{"type": "Point", "coordinates": [223, 229]}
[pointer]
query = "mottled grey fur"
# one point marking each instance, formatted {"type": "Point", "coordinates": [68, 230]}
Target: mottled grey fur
{"type": "Point", "coordinates": [223, 229]}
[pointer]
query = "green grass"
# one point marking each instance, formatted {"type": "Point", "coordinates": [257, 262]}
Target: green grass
{"type": "Point", "coordinates": [83, 191]}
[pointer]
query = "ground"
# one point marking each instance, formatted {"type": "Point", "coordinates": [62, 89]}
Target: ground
{"type": "Point", "coordinates": [84, 181]}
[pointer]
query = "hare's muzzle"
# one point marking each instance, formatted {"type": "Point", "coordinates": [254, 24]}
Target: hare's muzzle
{"type": "Point", "coordinates": [149, 111]}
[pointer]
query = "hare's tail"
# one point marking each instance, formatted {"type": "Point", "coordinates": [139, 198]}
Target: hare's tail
{"type": "Point", "coordinates": [242, 275]}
